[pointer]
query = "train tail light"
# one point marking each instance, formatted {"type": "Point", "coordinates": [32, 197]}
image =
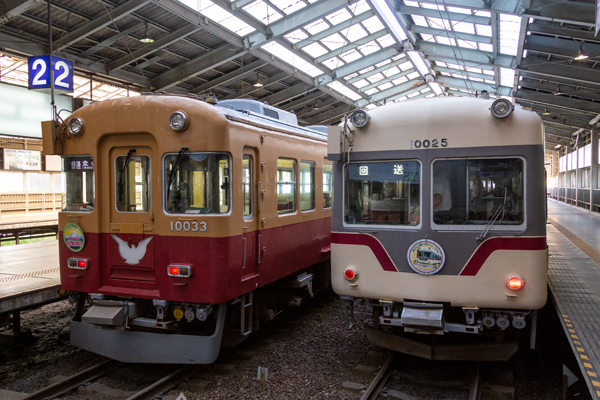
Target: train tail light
{"type": "Point", "coordinates": [184, 271]}
{"type": "Point", "coordinates": [514, 282]}
{"type": "Point", "coordinates": [77, 263]}
{"type": "Point", "coordinates": [351, 273]}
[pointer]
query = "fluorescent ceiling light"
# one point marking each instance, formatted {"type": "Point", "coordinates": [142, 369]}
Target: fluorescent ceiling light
{"type": "Point", "coordinates": [388, 16]}
{"type": "Point", "coordinates": [419, 62]}
{"type": "Point", "coordinates": [437, 88]}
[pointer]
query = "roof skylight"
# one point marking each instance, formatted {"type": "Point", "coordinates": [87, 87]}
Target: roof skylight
{"type": "Point", "coordinates": [390, 20]}
{"type": "Point", "coordinates": [220, 16]}
{"type": "Point", "coordinates": [354, 32]}
{"type": "Point", "coordinates": [263, 12]}
{"type": "Point", "coordinates": [509, 34]}
{"type": "Point", "coordinates": [507, 77]}
{"type": "Point", "coordinates": [316, 26]}
{"type": "Point", "coordinates": [296, 36]}
{"type": "Point", "coordinates": [338, 16]}
{"type": "Point", "coordinates": [345, 90]}
{"type": "Point", "coordinates": [292, 59]}
{"type": "Point", "coordinates": [334, 41]}
{"type": "Point", "coordinates": [288, 6]}
{"type": "Point", "coordinates": [315, 50]}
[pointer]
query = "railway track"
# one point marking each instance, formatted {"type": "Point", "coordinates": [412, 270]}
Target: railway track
{"type": "Point", "coordinates": [148, 393]}
{"type": "Point", "coordinates": [489, 382]}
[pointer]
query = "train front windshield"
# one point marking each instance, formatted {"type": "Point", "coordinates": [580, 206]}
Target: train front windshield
{"type": "Point", "coordinates": [477, 191]}
{"type": "Point", "coordinates": [197, 183]}
{"type": "Point", "coordinates": [383, 193]}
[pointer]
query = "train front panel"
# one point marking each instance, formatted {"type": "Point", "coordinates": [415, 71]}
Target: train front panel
{"type": "Point", "coordinates": [439, 215]}
{"type": "Point", "coordinates": [168, 216]}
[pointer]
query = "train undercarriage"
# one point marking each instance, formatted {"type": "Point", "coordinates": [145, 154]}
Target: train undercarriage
{"type": "Point", "coordinates": [160, 331]}
{"type": "Point", "coordinates": [437, 331]}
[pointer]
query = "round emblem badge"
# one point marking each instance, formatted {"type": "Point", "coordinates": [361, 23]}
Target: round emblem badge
{"type": "Point", "coordinates": [426, 257]}
{"type": "Point", "coordinates": [74, 238]}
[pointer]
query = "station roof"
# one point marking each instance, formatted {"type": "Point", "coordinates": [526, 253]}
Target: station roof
{"type": "Point", "coordinates": [322, 58]}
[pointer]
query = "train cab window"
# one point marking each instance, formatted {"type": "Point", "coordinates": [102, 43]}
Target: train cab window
{"type": "Point", "coordinates": [247, 185]}
{"type": "Point", "coordinates": [307, 185]}
{"type": "Point", "coordinates": [132, 177]}
{"type": "Point", "coordinates": [383, 193]}
{"type": "Point", "coordinates": [197, 183]}
{"type": "Point", "coordinates": [327, 185]}
{"type": "Point", "coordinates": [286, 186]}
{"type": "Point", "coordinates": [478, 191]}
{"type": "Point", "coordinates": [78, 190]}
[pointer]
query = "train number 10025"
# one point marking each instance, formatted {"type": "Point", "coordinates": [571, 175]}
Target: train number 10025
{"type": "Point", "coordinates": [417, 144]}
{"type": "Point", "coordinates": [187, 226]}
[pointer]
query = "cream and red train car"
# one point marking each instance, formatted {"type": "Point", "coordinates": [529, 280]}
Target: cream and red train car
{"type": "Point", "coordinates": [439, 222]}
{"type": "Point", "coordinates": [186, 224]}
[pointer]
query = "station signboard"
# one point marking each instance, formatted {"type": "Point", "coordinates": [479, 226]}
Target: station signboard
{"type": "Point", "coordinates": [39, 74]}
{"type": "Point", "coordinates": [22, 160]}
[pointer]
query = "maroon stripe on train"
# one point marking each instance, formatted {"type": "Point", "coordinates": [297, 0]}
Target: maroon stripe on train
{"type": "Point", "coordinates": [473, 266]}
{"type": "Point", "coordinates": [500, 243]}
{"type": "Point", "coordinates": [362, 239]}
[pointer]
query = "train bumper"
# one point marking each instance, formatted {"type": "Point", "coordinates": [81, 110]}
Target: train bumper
{"type": "Point", "coordinates": [449, 352]}
{"type": "Point", "coordinates": [144, 347]}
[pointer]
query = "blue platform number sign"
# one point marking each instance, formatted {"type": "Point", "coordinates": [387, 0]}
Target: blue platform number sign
{"type": "Point", "coordinates": [39, 73]}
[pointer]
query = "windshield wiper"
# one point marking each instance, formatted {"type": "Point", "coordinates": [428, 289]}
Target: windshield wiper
{"type": "Point", "coordinates": [176, 166]}
{"type": "Point", "coordinates": [501, 209]}
{"type": "Point", "coordinates": [127, 159]}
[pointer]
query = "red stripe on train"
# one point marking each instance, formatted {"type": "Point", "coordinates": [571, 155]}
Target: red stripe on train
{"type": "Point", "coordinates": [362, 239]}
{"type": "Point", "coordinates": [482, 253]}
{"type": "Point", "coordinates": [500, 243]}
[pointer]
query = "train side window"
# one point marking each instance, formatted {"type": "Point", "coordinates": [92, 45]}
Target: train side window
{"type": "Point", "coordinates": [247, 185]}
{"type": "Point", "coordinates": [383, 193]}
{"type": "Point", "coordinates": [286, 186]}
{"type": "Point", "coordinates": [478, 191]}
{"type": "Point", "coordinates": [307, 185]}
{"type": "Point", "coordinates": [78, 190]}
{"type": "Point", "coordinates": [198, 183]}
{"type": "Point", "coordinates": [327, 185]}
{"type": "Point", "coordinates": [133, 183]}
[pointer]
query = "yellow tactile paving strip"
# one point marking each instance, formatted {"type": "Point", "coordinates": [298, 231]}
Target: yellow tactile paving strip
{"type": "Point", "coordinates": [594, 255]}
{"type": "Point", "coordinates": [589, 251]}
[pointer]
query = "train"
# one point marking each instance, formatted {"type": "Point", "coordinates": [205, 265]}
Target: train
{"type": "Point", "coordinates": [439, 224]}
{"type": "Point", "coordinates": [187, 223]}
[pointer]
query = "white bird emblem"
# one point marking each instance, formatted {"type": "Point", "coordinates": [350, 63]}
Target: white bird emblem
{"type": "Point", "coordinates": [132, 255]}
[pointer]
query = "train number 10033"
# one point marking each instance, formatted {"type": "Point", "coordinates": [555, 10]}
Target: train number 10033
{"type": "Point", "coordinates": [187, 226]}
{"type": "Point", "coordinates": [417, 144]}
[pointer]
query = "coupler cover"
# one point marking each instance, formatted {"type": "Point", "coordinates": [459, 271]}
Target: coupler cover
{"type": "Point", "coordinates": [422, 315]}
{"type": "Point", "coordinates": [104, 315]}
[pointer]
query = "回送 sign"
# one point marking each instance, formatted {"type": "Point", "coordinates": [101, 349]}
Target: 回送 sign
{"type": "Point", "coordinates": [39, 73]}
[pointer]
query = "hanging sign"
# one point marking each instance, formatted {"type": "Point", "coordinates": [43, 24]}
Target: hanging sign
{"type": "Point", "coordinates": [39, 74]}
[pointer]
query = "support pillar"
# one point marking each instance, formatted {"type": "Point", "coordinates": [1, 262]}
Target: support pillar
{"type": "Point", "coordinates": [568, 150]}
{"type": "Point", "coordinates": [594, 167]}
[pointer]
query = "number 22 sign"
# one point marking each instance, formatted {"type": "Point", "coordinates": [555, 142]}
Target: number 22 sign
{"type": "Point", "coordinates": [39, 73]}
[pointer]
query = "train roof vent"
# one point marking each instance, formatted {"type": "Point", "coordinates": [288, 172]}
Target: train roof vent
{"type": "Point", "coordinates": [318, 128]}
{"type": "Point", "coordinates": [254, 106]}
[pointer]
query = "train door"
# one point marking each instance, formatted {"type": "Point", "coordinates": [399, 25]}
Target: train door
{"type": "Point", "coordinates": [250, 227]}
{"type": "Point", "coordinates": [131, 241]}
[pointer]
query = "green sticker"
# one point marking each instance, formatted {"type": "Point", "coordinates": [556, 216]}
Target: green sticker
{"type": "Point", "coordinates": [74, 238]}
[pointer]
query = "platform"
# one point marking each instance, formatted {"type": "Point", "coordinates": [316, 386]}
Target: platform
{"type": "Point", "coordinates": [29, 276]}
{"type": "Point", "coordinates": [574, 280]}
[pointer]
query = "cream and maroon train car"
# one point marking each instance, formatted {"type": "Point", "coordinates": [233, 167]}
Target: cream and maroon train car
{"type": "Point", "coordinates": [186, 223]}
{"type": "Point", "coordinates": [439, 221]}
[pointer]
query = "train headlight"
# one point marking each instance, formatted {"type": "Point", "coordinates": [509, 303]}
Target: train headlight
{"type": "Point", "coordinates": [514, 282]}
{"type": "Point", "coordinates": [501, 108]}
{"type": "Point", "coordinates": [351, 273]}
{"type": "Point", "coordinates": [76, 127]}
{"type": "Point", "coordinates": [179, 121]}
{"type": "Point", "coordinates": [360, 118]}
